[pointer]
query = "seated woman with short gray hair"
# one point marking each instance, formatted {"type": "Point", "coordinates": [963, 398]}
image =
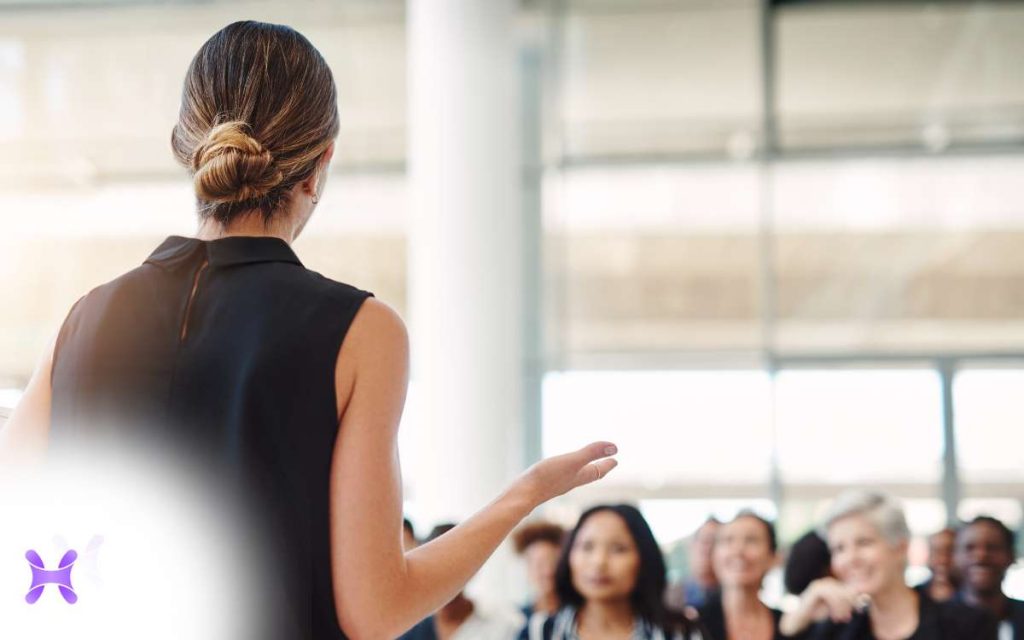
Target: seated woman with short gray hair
{"type": "Point", "coordinates": [868, 599]}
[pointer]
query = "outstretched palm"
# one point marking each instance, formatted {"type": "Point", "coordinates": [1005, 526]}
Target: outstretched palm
{"type": "Point", "coordinates": [556, 475]}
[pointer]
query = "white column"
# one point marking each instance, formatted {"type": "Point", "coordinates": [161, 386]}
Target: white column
{"type": "Point", "coordinates": [465, 262]}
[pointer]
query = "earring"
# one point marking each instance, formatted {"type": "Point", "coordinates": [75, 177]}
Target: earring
{"type": "Point", "coordinates": [316, 198]}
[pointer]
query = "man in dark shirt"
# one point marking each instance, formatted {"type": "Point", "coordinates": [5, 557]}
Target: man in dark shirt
{"type": "Point", "coordinates": [983, 553]}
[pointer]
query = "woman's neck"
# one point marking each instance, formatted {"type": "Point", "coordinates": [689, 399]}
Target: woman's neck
{"type": "Point", "coordinates": [894, 612]}
{"type": "Point", "coordinates": [742, 601]}
{"type": "Point", "coordinates": [249, 224]}
{"type": "Point", "coordinates": [546, 602]}
{"type": "Point", "coordinates": [605, 618]}
{"type": "Point", "coordinates": [746, 617]}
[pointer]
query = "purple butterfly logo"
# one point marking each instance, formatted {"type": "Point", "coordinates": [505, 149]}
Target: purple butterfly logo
{"type": "Point", "coordinates": [61, 576]}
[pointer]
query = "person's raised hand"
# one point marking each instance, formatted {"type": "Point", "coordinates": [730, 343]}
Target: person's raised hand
{"type": "Point", "coordinates": [824, 598]}
{"type": "Point", "coordinates": [557, 475]}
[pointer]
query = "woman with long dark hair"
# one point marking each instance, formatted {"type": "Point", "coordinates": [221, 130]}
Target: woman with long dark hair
{"type": "Point", "coordinates": [611, 581]}
{"type": "Point", "coordinates": [224, 349]}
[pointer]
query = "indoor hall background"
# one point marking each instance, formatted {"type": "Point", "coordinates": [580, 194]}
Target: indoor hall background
{"type": "Point", "coordinates": [794, 226]}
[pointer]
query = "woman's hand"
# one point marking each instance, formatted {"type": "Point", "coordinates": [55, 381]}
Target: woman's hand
{"type": "Point", "coordinates": [824, 598]}
{"type": "Point", "coordinates": [556, 475]}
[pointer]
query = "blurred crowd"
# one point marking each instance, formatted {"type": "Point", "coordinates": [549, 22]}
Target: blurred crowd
{"type": "Point", "coordinates": [606, 578]}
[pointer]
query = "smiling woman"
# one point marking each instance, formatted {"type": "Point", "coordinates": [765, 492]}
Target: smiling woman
{"type": "Point", "coordinates": [744, 552]}
{"type": "Point", "coordinates": [868, 599]}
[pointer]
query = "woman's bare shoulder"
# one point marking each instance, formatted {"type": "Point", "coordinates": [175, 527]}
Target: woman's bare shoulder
{"type": "Point", "coordinates": [375, 349]}
{"type": "Point", "coordinates": [377, 331]}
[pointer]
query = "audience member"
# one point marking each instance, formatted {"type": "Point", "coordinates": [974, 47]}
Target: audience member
{"type": "Point", "coordinates": [868, 599]}
{"type": "Point", "coordinates": [744, 551]}
{"type": "Point", "coordinates": [701, 582]}
{"type": "Point", "coordinates": [808, 560]}
{"type": "Point", "coordinates": [540, 545]}
{"type": "Point", "coordinates": [611, 579]}
{"type": "Point", "coordinates": [942, 585]}
{"type": "Point", "coordinates": [983, 552]}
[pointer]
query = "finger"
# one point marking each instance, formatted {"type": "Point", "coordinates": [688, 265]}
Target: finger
{"type": "Point", "coordinates": [595, 471]}
{"type": "Point", "coordinates": [850, 597]}
{"type": "Point", "coordinates": [845, 607]}
{"type": "Point", "coordinates": [839, 609]}
{"type": "Point", "coordinates": [862, 603]}
{"type": "Point", "coordinates": [594, 451]}
{"type": "Point", "coordinates": [819, 611]}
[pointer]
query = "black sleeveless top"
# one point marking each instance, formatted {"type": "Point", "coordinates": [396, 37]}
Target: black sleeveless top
{"type": "Point", "coordinates": [223, 352]}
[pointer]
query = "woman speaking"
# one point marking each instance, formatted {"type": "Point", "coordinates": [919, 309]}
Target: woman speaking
{"type": "Point", "coordinates": [226, 348]}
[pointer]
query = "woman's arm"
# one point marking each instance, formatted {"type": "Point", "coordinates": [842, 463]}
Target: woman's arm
{"type": "Point", "coordinates": [24, 438]}
{"type": "Point", "coordinates": [379, 590]}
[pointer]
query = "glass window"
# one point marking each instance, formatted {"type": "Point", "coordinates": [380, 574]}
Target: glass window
{"type": "Point", "coordinates": [926, 75]}
{"type": "Point", "coordinates": [869, 255]}
{"type": "Point", "coordinates": [637, 80]}
{"type": "Point", "coordinates": [671, 426]}
{"type": "Point", "coordinates": [898, 254]}
{"type": "Point", "coordinates": [988, 418]}
{"type": "Point", "coordinates": [851, 427]}
{"type": "Point", "coordinates": [653, 259]}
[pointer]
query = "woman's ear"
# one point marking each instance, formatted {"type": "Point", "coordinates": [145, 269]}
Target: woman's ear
{"type": "Point", "coordinates": [311, 184]}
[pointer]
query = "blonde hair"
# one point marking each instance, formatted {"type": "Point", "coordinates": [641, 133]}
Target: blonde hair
{"type": "Point", "coordinates": [258, 112]}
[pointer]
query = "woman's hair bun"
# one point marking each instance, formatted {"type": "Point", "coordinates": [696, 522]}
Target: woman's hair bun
{"type": "Point", "coordinates": [259, 111]}
{"type": "Point", "coordinates": [230, 165]}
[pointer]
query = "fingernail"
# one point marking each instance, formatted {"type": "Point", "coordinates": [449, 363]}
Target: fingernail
{"type": "Point", "coordinates": [611, 450]}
